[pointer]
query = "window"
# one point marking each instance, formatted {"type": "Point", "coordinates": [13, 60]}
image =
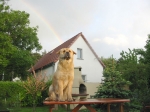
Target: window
{"type": "Point", "coordinates": [79, 53]}
{"type": "Point", "coordinates": [84, 78]}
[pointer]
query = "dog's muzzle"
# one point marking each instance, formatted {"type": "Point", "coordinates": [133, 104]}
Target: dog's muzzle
{"type": "Point", "coordinates": [67, 56]}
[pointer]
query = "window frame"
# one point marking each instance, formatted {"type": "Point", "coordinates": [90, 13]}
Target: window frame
{"type": "Point", "coordinates": [79, 56]}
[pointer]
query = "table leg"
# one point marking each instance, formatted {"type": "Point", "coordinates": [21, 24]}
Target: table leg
{"type": "Point", "coordinates": [90, 108]}
{"type": "Point", "coordinates": [51, 108]}
{"type": "Point", "coordinates": [121, 107]}
{"type": "Point", "coordinates": [77, 108]}
{"type": "Point", "coordinates": [108, 107]}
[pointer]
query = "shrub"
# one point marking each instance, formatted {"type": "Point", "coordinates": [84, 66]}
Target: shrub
{"type": "Point", "coordinates": [13, 95]}
{"type": "Point", "coordinates": [34, 85]}
{"type": "Point", "coordinates": [9, 94]}
{"type": "Point", "coordinates": [26, 99]}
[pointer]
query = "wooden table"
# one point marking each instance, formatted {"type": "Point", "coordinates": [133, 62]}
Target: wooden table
{"type": "Point", "coordinates": [87, 103]}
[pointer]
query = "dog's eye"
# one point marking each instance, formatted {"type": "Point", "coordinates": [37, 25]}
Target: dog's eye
{"type": "Point", "coordinates": [63, 50]}
{"type": "Point", "coordinates": [69, 51]}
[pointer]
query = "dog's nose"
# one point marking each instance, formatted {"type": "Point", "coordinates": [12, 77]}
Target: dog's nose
{"type": "Point", "coordinates": [67, 53]}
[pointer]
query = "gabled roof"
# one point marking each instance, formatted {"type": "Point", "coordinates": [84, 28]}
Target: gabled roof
{"type": "Point", "coordinates": [52, 57]}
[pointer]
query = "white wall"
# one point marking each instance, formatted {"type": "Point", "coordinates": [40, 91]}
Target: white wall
{"type": "Point", "coordinates": [91, 88]}
{"type": "Point", "coordinates": [48, 71]}
{"type": "Point", "coordinates": [90, 65]}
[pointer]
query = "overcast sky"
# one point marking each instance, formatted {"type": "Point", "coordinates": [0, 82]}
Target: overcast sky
{"type": "Point", "coordinates": [110, 26]}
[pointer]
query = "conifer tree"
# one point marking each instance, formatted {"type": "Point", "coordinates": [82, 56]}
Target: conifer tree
{"type": "Point", "coordinates": [113, 85]}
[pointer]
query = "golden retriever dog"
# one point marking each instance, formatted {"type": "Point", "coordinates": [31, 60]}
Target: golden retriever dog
{"type": "Point", "coordinates": [61, 88]}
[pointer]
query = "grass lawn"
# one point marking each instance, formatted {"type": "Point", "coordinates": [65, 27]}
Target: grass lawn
{"type": "Point", "coordinates": [29, 109]}
{"type": "Point", "coordinates": [40, 109]}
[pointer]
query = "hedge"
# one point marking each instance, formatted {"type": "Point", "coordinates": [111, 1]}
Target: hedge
{"type": "Point", "coordinates": [13, 94]}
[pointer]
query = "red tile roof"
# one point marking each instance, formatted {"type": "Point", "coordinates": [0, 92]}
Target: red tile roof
{"type": "Point", "coordinates": [53, 57]}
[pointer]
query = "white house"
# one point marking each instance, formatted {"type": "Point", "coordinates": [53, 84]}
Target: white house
{"type": "Point", "coordinates": [86, 58]}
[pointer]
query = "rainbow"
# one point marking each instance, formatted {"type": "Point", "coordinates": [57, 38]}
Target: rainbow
{"type": "Point", "coordinates": [43, 20]}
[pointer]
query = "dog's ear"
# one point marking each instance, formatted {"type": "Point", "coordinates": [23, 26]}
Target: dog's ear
{"type": "Point", "coordinates": [74, 52]}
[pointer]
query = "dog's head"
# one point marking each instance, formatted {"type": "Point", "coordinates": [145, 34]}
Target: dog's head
{"type": "Point", "coordinates": [66, 54]}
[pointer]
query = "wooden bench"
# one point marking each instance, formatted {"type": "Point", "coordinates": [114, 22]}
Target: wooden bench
{"type": "Point", "coordinates": [87, 103]}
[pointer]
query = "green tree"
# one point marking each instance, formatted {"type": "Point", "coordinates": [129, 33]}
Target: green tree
{"type": "Point", "coordinates": [36, 56]}
{"type": "Point", "coordinates": [134, 71]}
{"type": "Point", "coordinates": [114, 85]}
{"type": "Point", "coordinates": [108, 61]}
{"type": "Point", "coordinates": [16, 55]}
{"type": "Point", "coordinates": [6, 49]}
{"type": "Point", "coordinates": [145, 57]}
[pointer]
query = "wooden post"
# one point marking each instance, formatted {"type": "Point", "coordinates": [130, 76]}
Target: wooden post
{"type": "Point", "coordinates": [77, 108]}
{"type": "Point", "coordinates": [51, 107]}
{"type": "Point", "coordinates": [108, 107]}
{"type": "Point", "coordinates": [121, 107]}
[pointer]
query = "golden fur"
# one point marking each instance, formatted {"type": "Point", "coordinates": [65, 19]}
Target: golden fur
{"type": "Point", "coordinates": [61, 88]}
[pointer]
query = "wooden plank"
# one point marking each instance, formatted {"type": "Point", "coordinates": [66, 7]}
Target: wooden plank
{"type": "Point", "coordinates": [147, 106]}
{"type": "Point", "coordinates": [90, 101]}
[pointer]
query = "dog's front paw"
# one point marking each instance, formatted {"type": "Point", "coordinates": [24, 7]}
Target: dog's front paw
{"type": "Point", "coordinates": [61, 100]}
{"type": "Point", "coordinates": [70, 99]}
{"type": "Point", "coordinates": [47, 99]}
{"type": "Point", "coordinates": [52, 96]}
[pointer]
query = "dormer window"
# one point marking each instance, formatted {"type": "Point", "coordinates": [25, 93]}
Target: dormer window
{"type": "Point", "coordinates": [79, 53]}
